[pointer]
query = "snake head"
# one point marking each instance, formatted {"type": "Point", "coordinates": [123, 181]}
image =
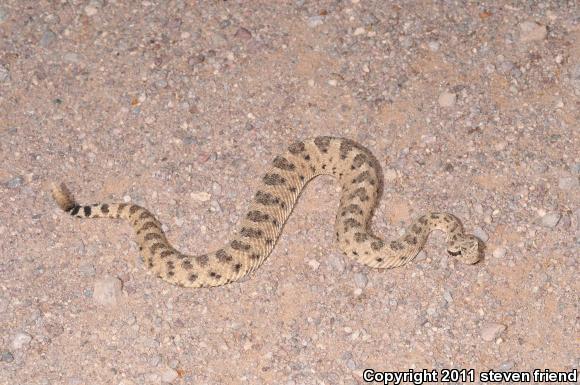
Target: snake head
{"type": "Point", "coordinates": [467, 249]}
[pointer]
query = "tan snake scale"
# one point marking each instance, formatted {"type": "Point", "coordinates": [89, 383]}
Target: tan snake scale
{"type": "Point", "coordinates": [360, 178]}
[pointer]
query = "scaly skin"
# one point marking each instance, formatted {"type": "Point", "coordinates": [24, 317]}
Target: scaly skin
{"type": "Point", "coordinates": [359, 175]}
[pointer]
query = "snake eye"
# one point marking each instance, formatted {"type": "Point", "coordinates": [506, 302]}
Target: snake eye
{"type": "Point", "coordinates": [454, 253]}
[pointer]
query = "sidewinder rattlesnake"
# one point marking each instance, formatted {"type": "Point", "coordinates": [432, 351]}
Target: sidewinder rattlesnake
{"type": "Point", "coordinates": [360, 177]}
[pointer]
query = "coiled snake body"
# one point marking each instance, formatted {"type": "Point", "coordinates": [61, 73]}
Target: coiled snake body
{"type": "Point", "coordinates": [359, 176]}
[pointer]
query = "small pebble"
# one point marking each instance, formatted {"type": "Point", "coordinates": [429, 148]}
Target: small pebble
{"type": "Point", "coordinates": [243, 34]}
{"type": "Point", "coordinates": [107, 291]}
{"type": "Point", "coordinates": [568, 183]}
{"type": "Point", "coordinates": [447, 296]}
{"type": "Point", "coordinates": [481, 234]}
{"type": "Point", "coordinates": [72, 57]}
{"type": "Point", "coordinates": [6, 357]}
{"type": "Point", "coordinates": [15, 182]}
{"type": "Point", "coordinates": [315, 21]}
{"type": "Point", "coordinates": [88, 270]}
{"type": "Point", "coordinates": [499, 252]}
{"type": "Point", "coordinates": [169, 375]}
{"type": "Point", "coordinates": [532, 31]}
{"type": "Point", "coordinates": [3, 14]}
{"type": "Point", "coordinates": [390, 175]}
{"type": "Point", "coordinates": [126, 382]}
{"type": "Point", "coordinates": [550, 220]}
{"type": "Point", "coordinates": [47, 38]}
{"type": "Point", "coordinates": [360, 280]}
{"type": "Point", "coordinates": [447, 99]}
{"type": "Point", "coordinates": [492, 331]}
{"type": "Point", "coordinates": [314, 264]}
{"type": "Point", "coordinates": [91, 10]}
{"type": "Point", "coordinates": [421, 255]}
{"type": "Point", "coordinates": [4, 74]}
{"type": "Point", "coordinates": [200, 196]}
{"type": "Point", "coordinates": [434, 45]}
{"type": "Point", "coordinates": [20, 340]}
{"type": "Point", "coordinates": [336, 263]}
{"type": "Point", "coordinates": [506, 365]}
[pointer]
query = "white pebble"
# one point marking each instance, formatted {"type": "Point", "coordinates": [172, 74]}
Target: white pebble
{"type": "Point", "coordinates": [315, 21]}
{"type": "Point", "coordinates": [499, 252]}
{"type": "Point", "coordinates": [91, 10]}
{"type": "Point", "coordinates": [359, 31]}
{"type": "Point", "coordinates": [568, 183]}
{"type": "Point", "coordinates": [200, 196]}
{"type": "Point", "coordinates": [447, 296]}
{"type": "Point", "coordinates": [447, 99]}
{"type": "Point", "coordinates": [314, 264]}
{"type": "Point", "coordinates": [107, 291]}
{"type": "Point", "coordinates": [126, 199]}
{"type": "Point", "coordinates": [126, 382]}
{"type": "Point", "coordinates": [4, 74]}
{"type": "Point", "coordinates": [550, 220]}
{"type": "Point", "coordinates": [20, 340]}
{"type": "Point", "coordinates": [336, 263]}
{"type": "Point", "coordinates": [390, 175]}
{"type": "Point", "coordinates": [532, 31]}
{"type": "Point", "coordinates": [433, 45]}
{"type": "Point", "coordinates": [491, 331]}
{"type": "Point", "coordinates": [169, 375]}
{"type": "Point", "coordinates": [361, 280]}
{"type": "Point", "coordinates": [481, 234]}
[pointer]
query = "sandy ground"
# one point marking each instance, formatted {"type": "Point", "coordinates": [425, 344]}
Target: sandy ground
{"type": "Point", "coordinates": [180, 106]}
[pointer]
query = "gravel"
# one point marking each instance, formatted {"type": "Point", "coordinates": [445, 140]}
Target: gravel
{"type": "Point", "coordinates": [568, 183]}
{"type": "Point", "coordinates": [3, 14]}
{"type": "Point", "coordinates": [499, 252]}
{"type": "Point", "coordinates": [315, 21]}
{"type": "Point", "coordinates": [180, 106]}
{"type": "Point", "coordinates": [169, 375]}
{"type": "Point", "coordinates": [447, 99]}
{"type": "Point", "coordinates": [4, 74]}
{"type": "Point", "coordinates": [48, 37]}
{"type": "Point", "coordinates": [107, 291]}
{"type": "Point", "coordinates": [532, 31]}
{"type": "Point", "coordinates": [20, 340]}
{"type": "Point", "coordinates": [490, 332]}
{"type": "Point", "coordinates": [481, 234]}
{"type": "Point", "coordinates": [6, 357]}
{"type": "Point", "coordinates": [15, 182]}
{"type": "Point", "coordinates": [550, 220]}
{"type": "Point", "coordinates": [361, 280]}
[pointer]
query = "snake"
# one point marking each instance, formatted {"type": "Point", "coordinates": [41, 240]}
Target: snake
{"type": "Point", "coordinates": [360, 177]}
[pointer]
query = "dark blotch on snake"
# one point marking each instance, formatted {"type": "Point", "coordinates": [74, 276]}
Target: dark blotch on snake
{"type": "Point", "coordinates": [257, 216]}
{"type": "Point", "coordinates": [283, 163]}
{"type": "Point", "coordinates": [273, 179]}
{"type": "Point", "coordinates": [222, 256]}
{"type": "Point", "coordinates": [202, 260]}
{"type": "Point", "coordinates": [237, 245]}
{"type": "Point", "coordinates": [266, 199]}
{"type": "Point", "coordinates": [296, 148]}
{"type": "Point", "coordinates": [377, 245]}
{"type": "Point", "coordinates": [322, 142]}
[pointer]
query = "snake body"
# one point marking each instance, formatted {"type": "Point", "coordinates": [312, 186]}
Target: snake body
{"type": "Point", "coordinates": [360, 178]}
